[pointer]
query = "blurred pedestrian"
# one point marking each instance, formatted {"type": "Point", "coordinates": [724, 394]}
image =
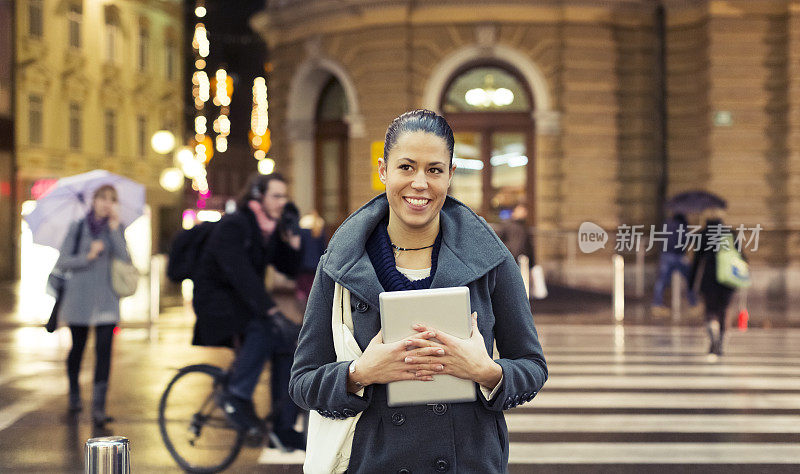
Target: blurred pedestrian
{"type": "Point", "coordinates": [89, 299]}
{"type": "Point", "coordinates": [313, 238]}
{"type": "Point", "coordinates": [415, 236]}
{"type": "Point", "coordinates": [672, 260]}
{"type": "Point", "coordinates": [234, 309]}
{"type": "Point", "coordinates": [516, 234]}
{"type": "Point", "coordinates": [716, 296]}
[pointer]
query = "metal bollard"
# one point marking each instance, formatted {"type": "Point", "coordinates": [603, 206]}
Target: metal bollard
{"type": "Point", "coordinates": [619, 287]}
{"type": "Point", "coordinates": [108, 455]}
{"type": "Point", "coordinates": [675, 290]}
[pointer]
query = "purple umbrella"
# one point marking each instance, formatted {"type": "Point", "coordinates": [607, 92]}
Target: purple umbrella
{"type": "Point", "coordinates": [70, 199]}
{"type": "Point", "coordinates": [695, 201]}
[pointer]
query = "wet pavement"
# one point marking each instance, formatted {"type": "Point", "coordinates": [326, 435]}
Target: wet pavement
{"type": "Point", "coordinates": [620, 397]}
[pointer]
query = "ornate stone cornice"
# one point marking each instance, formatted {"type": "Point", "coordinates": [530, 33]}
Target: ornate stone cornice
{"type": "Point", "coordinates": [295, 20]}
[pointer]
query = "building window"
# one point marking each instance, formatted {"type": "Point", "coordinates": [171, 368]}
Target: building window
{"type": "Point", "coordinates": [75, 126]}
{"type": "Point", "coordinates": [111, 132]}
{"type": "Point", "coordinates": [35, 120]}
{"type": "Point", "coordinates": [141, 136]}
{"type": "Point", "coordinates": [169, 59]}
{"type": "Point", "coordinates": [74, 19]}
{"type": "Point", "coordinates": [144, 45]}
{"type": "Point", "coordinates": [489, 108]}
{"type": "Point", "coordinates": [113, 35]}
{"type": "Point", "coordinates": [35, 18]}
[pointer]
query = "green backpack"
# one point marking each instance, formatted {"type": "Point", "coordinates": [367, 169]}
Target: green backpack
{"type": "Point", "coordinates": [732, 270]}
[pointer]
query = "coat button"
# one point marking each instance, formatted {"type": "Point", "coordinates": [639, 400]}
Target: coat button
{"type": "Point", "coordinates": [440, 408]}
{"type": "Point", "coordinates": [362, 307]}
{"type": "Point", "coordinates": [516, 399]}
{"type": "Point", "coordinates": [398, 419]}
{"type": "Point", "coordinates": [336, 414]}
{"type": "Point", "coordinates": [403, 471]}
{"type": "Point", "coordinates": [442, 465]}
{"type": "Point", "coordinates": [348, 412]}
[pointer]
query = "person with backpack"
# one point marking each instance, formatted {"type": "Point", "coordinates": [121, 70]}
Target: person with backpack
{"type": "Point", "coordinates": [234, 309]}
{"type": "Point", "coordinates": [708, 276]}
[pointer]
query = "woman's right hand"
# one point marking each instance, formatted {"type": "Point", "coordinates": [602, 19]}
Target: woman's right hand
{"type": "Point", "coordinates": [384, 363]}
{"type": "Point", "coordinates": [95, 249]}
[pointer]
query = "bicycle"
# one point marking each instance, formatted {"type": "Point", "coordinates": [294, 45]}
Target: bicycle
{"type": "Point", "coordinates": [201, 439]}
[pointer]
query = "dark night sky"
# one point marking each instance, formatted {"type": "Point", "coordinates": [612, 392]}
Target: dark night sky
{"type": "Point", "coordinates": [238, 49]}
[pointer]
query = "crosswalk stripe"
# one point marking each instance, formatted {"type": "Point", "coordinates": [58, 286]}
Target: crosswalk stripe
{"type": "Point", "coordinates": [523, 423]}
{"type": "Point", "coordinates": [667, 358]}
{"type": "Point", "coordinates": [552, 398]}
{"type": "Point", "coordinates": [653, 453]}
{"type": "Point", "coordinates": [672, 383]}
{"type": "Point", "coordinates": [557, 370]}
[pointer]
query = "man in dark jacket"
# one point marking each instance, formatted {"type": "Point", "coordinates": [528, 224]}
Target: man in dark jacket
{"type": "Point", "coordinates": [234, 309]}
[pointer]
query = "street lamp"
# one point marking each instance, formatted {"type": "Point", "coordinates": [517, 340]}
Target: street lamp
{"type": "Point", "coordinates": [163, 142]}
{"type": "Point", "coordinates": [171, 179]}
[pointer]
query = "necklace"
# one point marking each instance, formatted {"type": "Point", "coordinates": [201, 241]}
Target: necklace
{"type": "Point", "coordinates": [398, 249]}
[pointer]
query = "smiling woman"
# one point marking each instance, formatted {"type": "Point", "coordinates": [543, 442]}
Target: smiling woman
{"type": "Point", "coordinates": [413, 237]}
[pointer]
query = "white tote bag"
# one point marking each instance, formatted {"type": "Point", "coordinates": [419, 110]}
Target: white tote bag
{"type": "Point", "coordinates": [330, 441]}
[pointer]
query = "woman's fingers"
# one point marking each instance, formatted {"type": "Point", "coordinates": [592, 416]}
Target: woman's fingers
{"type": "Point", "coordinates": [423, 347]}
{"type": "Point", "coordinates": [428, 373]}
{"type": "Point", "coordinates": [426, 351]}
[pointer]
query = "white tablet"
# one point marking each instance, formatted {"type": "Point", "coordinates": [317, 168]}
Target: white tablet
{"type": "Point", "coordinates": [446, 309]}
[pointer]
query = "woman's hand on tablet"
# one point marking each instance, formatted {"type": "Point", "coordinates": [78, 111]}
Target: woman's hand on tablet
{"type": "Point", "coordinates": [463, 358]}
{"type": "Point", "coordinates": [384, 363]}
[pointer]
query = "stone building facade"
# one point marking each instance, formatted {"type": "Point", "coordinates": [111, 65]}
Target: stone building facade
{"type": "Point", "coordinates": [94, 81]}
{"type": "Point", "coordinates": [629, 101]}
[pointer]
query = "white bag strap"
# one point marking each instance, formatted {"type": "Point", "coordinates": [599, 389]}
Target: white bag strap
{"type": "Point", "coordinates": [342, 326]}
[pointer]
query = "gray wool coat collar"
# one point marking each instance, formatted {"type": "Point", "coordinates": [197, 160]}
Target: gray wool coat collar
{"type": "Point", "coordinates": [470, 248]}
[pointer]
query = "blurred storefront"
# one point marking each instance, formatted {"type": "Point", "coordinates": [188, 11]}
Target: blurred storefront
{"type": "Point", "coordinates": [585, 110]}
{"type": "Point", "coordinates": [95, 81]}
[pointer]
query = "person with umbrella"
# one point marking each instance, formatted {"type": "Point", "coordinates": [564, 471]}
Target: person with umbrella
{"type": "Point", "coordinates": [88, 299]}
{"type": "Point", "coordinates": [671, 260]}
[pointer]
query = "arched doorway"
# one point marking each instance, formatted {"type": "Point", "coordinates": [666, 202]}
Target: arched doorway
{"type": "Point", "coordinates": [489, 106]}
{"type": "Point", "coordinates": [330, 155]}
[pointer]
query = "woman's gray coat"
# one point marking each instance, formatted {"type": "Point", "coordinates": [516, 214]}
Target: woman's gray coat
{"type": "Point", "coordinates": [88, 298]}
{"type": "Point", "coordinates": [457, 437]}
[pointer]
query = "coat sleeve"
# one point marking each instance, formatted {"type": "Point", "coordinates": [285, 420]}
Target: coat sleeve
{"type": "Point", "coordinates": [66, 259]}
{"type": "Point", "coordinates": [287, 259]}
{"type": "Point", "coordinates": [317, 381]}
{"type": "Point", "coordinates": [521, 357]}
{"type": "Point", "coordinates": [227, 246]}
{"type": "Point", "coordinates": [119, 247]}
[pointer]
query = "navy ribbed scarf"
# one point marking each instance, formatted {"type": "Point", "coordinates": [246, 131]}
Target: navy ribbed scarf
{"type": "Point", "coordinates": [379, 249]}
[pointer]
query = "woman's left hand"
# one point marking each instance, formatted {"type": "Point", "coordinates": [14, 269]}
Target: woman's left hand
{"type": "Point", "coordinates": [463, 358]}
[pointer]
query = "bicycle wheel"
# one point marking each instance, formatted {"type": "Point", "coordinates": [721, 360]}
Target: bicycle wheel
{"type": "Point", "coordinates": [194, 428]}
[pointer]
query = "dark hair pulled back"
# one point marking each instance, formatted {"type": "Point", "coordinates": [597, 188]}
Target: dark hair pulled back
{"type": "Point", "coordinates": [256, 188]}
{"type": "Point", "coordinates": [420, 120]}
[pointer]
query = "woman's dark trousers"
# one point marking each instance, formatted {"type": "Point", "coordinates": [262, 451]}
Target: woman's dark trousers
{"type": "Point", "coordinates": [264, 342]}
{"type": "Point", "coordinates": [103, 338]}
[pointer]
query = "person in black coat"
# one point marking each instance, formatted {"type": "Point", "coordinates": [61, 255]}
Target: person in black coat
{"type": "Point", "coordinates": [234, 309]}
{"type": "Point", "coordinates": [717, 297]}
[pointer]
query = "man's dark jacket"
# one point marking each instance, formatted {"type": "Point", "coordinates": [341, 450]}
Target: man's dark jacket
{"type": "Point", "coordinates": [229, 284]}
